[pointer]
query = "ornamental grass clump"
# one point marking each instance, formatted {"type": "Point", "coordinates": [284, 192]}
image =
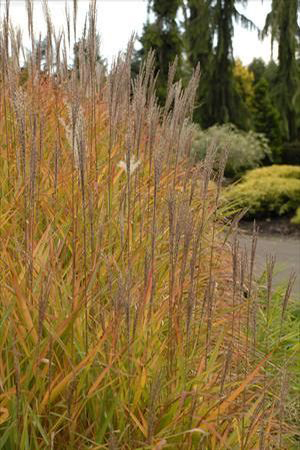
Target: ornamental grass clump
{"type": "Point", "coordinates": [123, 316]}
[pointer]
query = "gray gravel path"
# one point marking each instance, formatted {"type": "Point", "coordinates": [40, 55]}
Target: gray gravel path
{"type": "Point", "coordinates": [285, 249]}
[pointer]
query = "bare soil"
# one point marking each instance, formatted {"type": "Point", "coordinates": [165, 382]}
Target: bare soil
{"type": "Point", "coordinates": [279, 226]}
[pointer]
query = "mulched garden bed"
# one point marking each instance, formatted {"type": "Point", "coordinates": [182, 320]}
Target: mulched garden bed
{"type": "Point", "coordinates": [281, 226]}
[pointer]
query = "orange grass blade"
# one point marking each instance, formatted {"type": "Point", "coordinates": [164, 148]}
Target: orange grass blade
{"type": "Point", "coordinates": [21, 301]}
{"type": "Point", "coordinates": [144, 430]}
{"type": "Point", "coordinates": [54, 392]}
{"type": "Point", "coordinates": [227, 402]}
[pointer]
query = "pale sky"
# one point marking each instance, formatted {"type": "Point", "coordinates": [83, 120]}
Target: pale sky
{"type": "Point", "coordinates": [117, 19]}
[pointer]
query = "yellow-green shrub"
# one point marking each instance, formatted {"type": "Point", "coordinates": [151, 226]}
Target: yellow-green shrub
{"type": "Point", "coordinates": [282, 171]}
{"type": "Point", "coordinates": [273, 190]}
{"type": "Point", "coordinates": [296, 219]}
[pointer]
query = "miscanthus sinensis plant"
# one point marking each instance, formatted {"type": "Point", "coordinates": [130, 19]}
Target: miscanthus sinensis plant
{"type": "Point", "coordinates": [123, 316]}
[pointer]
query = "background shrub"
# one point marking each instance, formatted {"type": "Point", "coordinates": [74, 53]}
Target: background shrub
{"type": "Point", "coordinates": [296, 219]}
{"type": "Point", "coordinates": [291, 153]}
{"type": "Point", "coordinates": [246, 149]}
{"type": "Point", "coordinates": [281, 171]}
{"type": "Point", "coordinates": [273, 190]}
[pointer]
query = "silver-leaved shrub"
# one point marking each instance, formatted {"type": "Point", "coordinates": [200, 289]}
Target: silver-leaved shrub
{"type": "Point", "coordinates": [246, 150]}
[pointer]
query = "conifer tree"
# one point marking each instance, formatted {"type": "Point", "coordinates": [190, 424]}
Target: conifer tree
{"type": "Point", "coordinates": [282, 20]}
{"type": "Point", "coordinates": [266, 117]}
{"type": "Point", "coordinates": [164, 37]}
{"type": "Point", "coordinates": [221, 102]}
{"type": "Point", "coordinates": [199, 42]}
{"type": "Point", "coordinates": [258, 68]}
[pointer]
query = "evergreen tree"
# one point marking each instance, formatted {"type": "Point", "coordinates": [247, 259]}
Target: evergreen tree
{"type": "Point", "coordinates": [208, 20]}
{"type": "Point", "coordinates": [226, 104]}
{"type": "Point", "coordinates": [199, 42]}
{"type": "Point", "coordinates": [163, 36]}
{"type": "Point", "coordinates": [266, 117]}
{"type": "Point", "coordinates": [258, 68]}
{"type": "Point", "coordinates": [282, 20]}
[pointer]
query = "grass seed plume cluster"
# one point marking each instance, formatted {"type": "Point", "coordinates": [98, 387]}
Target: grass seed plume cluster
{"type": "Point", "coordinates": [124, 319]}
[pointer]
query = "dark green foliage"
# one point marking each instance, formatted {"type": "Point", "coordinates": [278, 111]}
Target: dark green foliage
{"type": "Point", "coordinates": [291, 153]}
{"type": "Point", "coordinates": [271, 74]}
{"type": "Point", "coordinates": [288, 75]}
{"type": "Point", "coordinates": [163, 36]}
{"type": "Point", "coordinates": [282, 21]}
{"type": "Point", "coordinates": [220, 101]}
{"type": "Point", "coordinates": [199, 41]}
{"type": "Point", "coordinates": [266, 117]}
{"type": "Point", "coordinates": [268, 71]}
{"type": "Point", "coordinates": [222, 87]}
{"type": "Point", "coordinates": [258, 67]}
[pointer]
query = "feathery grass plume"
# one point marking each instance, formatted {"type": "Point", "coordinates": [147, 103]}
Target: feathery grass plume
{"type": "Point", "coordinates": [92, 38]}
{"type": "Point", "coordinates": [75, 10]}
{"type": "Point", "coordinates": [222, 164]}
{"type": "Point", "coordinates": [170, 87]}
{"type": "Point", "coordinates": [188, 229]}
{"type": "Point", "coordinates": [270, 264]}
{"type": "Point", "coordinates": [16, 44]}
{"type": "Point", "coordinates": [286, 298]}
{"type": "Point", "coordinates": [56, 168]}
{"type": "Point", "coordinates": [92, 221]}
{"type": "Point", "coordinates": [233, 224]}
{"type": "Point", "coordinates": [58, 41]}
{"type": "Point", "coordinates": [138, 111]}
{"type": "Point", "coordinates": [252, 256]}
{"type": "Point", "coordinates": [50, 36]}
{"type": "Point", "coordinates": [75, 133]}
{"type": "Point", "coordinates": [29, 7]}
{"type": "Point", "coordinates": [252, 304]}
{"type": "Point", "coordinates": [192, 291]}
{"type": "Point", "coordinates": [5, 25]}
{"type": "Point", "coordinates": [207, 172]}
{"type": "Point", "coordinates": [64, 74]}
{"type": "Point", "coordinates": [38, 56]}
{"type": "Point", "coordinates": [118, 101]}
{"type": "Point", "coordinates": [68, 22]}
{"type": "Point", "coordinates": [19, 100]}
{"type": "Point", "coordinates": [31, 62]}
{"type": "Point", "coordinates": [209, 302]}
{"type": "Point", "coordinates": [138, 105]}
